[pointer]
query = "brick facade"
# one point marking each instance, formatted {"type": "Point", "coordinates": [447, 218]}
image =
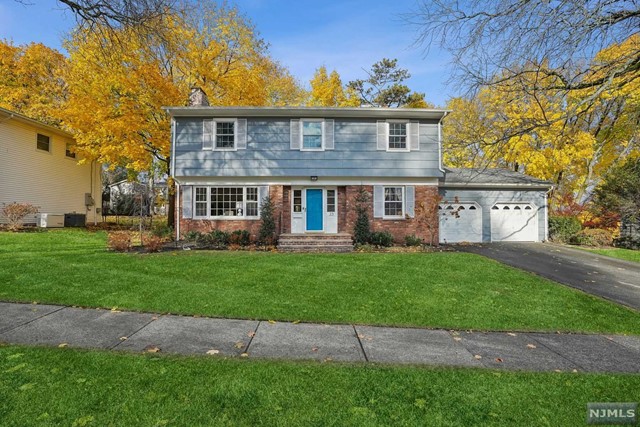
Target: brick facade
{"type": "Point", "coordinates": [281, 197]}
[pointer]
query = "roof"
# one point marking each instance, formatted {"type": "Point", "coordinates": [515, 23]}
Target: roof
{"type": "Point", "coordinates": [488, 177]}
{"type": "Point", "coordinates": [8, 114]}
{"type": "Point", "coordinates": [311, 112]}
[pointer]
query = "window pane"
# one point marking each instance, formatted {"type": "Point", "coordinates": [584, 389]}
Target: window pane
{"type": "Point", "coordinates": [297, 200]}
{"type": "Point", "coordinates": [397, 135]}
{"type": "Point", "coordinates": [224, 134]}
{"type": "Point", "coordinates": [331, 200]}
{"type": "Point", "coordinates": [201, 201]}
{"type": "Point", "coordinates": [43, 142]}
{"type": "Point", "coordinates": [226, 201]}
{"type": "Point", "coordinates": [68, 151]}
{"type": "Point", "coordinates": [312, 134]}
{"type": "Point", "coordinates": [393, 201]}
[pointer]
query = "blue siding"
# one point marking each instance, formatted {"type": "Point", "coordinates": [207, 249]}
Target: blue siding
{"type": "Point", "coordinates": [487, 198]}
{"type": "Point", "coordinates": [268, 153]}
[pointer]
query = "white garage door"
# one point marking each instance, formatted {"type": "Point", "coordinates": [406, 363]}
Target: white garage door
{"type": "Point", "coordinates": [514, 222]}
{"type": "Point", "coordinates": [460, 222]}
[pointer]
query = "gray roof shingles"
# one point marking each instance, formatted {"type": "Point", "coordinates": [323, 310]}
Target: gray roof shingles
{"type": "Point", "coordinates": [479, 176]}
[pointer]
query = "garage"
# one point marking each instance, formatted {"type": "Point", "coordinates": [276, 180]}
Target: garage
{"type": "Point", "coordinates": [514, 222]}
{"type": "Point", "coordinates": [460, 222]}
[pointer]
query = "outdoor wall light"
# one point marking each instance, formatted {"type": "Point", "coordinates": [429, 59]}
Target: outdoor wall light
{"type": "Point", "coordinates": [314, 178]}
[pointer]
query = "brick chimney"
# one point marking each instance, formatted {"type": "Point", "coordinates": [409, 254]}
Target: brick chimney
{"type": "Point", "coordinates": [198, 98]}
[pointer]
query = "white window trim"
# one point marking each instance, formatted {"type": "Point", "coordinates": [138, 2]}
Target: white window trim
{"type": "Point", "coordinates": [404, 200]}
{"type": "Point", "coordinates": [214, 132]}
{"type": "Point", "coordinates": [50, 150]}
{"type": "Point", "coordinates": [208, 202]}
{"type": "Point", "coordinates": [321, 121]}
{"type": "Point", "coordinates": [407, 141]}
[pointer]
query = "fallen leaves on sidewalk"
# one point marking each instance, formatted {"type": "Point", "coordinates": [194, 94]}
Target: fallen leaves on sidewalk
{"type": "Point", "coordinates": [213, 352]}
{"type": "Point", "coordinates": [151, 349]}
{"type": "Point", "coordinates": [63, 345]}
{"type": "Point", "coordinates": [531, 346]}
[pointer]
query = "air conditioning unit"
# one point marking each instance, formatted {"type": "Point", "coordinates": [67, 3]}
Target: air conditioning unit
{"type": "Point", "coordinates": [48, 220]}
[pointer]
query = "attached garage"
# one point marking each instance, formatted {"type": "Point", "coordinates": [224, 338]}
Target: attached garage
{"type": "Point", "coordinates": [460, 222]}
{"type": "Point", "coordinates": [509, 206]}
{"type": "Point", "coordinates": [514, 222]}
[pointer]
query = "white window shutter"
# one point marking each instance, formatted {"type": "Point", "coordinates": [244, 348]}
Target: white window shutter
{"type": "Point", "coordinates": [207, 134]}
{"type": "Point", "coordinates": [328, 134]}
{"type": "Point", "coordinates": [263, 192]}
{"type": "Point", "coordinates": [383, 133]}
{"type": "Point", "coordinates": [414, 135]}
{"type": "Point", "coordinates": [187, 201]}
{"type": "Point", "coordinates": [241, 134]}
{"type": "Point", "coordinates": [410, 202]}
{"type": "Point", "coordinates": [378, 201]}
{"type": "Point", "coordinates": [296, 136]}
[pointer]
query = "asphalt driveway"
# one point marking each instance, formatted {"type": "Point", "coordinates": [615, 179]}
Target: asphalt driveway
{"type": "Point", "coordinates": [606, 277]}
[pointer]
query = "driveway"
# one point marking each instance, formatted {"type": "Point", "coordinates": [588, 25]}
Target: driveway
{"type": "Point", "coordinates": [606, 277]}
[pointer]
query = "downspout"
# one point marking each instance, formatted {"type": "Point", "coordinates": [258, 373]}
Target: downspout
{"type": "Point", "coordinates": [177, 213]}
{"type": "Point", "coordinates": [440, 141]}
{"type": "Point", "coordinates": [172, 166]}
{"type": "Point", "coordinates": [546, 213]}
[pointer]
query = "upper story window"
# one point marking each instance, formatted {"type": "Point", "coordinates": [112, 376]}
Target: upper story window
{"type": "Point", "coordinates": [397, 136]}
{"type": "Point", "coordinates": [68, 151]}
{"type": "Point", "coordinates": [311, 135]}
{"type": "Point", "coordinates": [219, 134]}
{"type": "Point", "coordinates": [43, 143]}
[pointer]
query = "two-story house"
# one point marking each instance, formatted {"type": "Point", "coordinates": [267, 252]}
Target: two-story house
{"type": "Point", "coordinates": [38, 166]}
{"type": "Point", "coordinates": [313, 163]}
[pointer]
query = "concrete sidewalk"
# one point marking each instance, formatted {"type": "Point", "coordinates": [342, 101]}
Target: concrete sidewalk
{"type": "Point", "coordinates": [53, 325]}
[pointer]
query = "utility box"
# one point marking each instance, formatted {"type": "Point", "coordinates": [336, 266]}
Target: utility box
{"type": "Point", "coordinates": [48, 220]}
{"type": "Point", "coordinates": [75, 220]}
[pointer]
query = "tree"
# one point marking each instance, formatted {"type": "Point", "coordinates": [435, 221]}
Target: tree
{"type": "Point", "coordinates": [619, 191]}
{"type": "Point", "coordinates": [267, 231]}
{"type": "Point", "coordinates": [362, 227]}
{"type": "Point", "coordinates": [117, 88]}
{"type": "Point", "coordinates": [495, 38]}
{"type": "Point", "coordinates": [384, 87]}
{"type": "Point", "coordinates": [427, 214]}
{"type": "Point", "coordinates": [31, 80]}
{"type": "Point", "coordinates": [327, 90]}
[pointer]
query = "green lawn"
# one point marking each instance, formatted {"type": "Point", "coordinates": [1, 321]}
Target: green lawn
{"type": "Point", "coordinates": [51, 387]}
{"type": "Point", "coordinates": [626, 254]}
{"type": "Point", "coordinates": [444, 290]}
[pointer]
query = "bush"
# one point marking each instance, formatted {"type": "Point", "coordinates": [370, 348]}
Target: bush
{"type": "Point", "coordinates": [162, 230]}
{"type": "Point", "coordinates": [267, 232]}
{"type": "Point", "coordinates": [240, 238]}
{"type": "Point", "coordinates": [563, 228]}
{"type": "Point", "coordinates": [119, 241]}
{"type": "Point", "coordinates": [412, 240]}
{"type": "Point", "coordinates": [192, 236]}
{"type": "Point", "coordinates": [217, 239]}
{"type": "Point", "coordinates": [362, 229]}
{"type": "Point", "coordinates": [381, 239]}
{"type": "Point", "coordinates": [627, 242]}
{"type": "Point", "coordinates": [153, 243]}
{"type": "Point", "coordinates": [592, 237]}
{"type": "Point", "coordinates": [16, 213]}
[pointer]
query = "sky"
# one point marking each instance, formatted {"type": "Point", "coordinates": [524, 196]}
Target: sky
{"type": "Point", "coordinates": [344, 35]}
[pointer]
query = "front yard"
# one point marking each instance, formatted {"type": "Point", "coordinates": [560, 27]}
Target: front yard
{"type": "Point", "coordinates": [625, 254]}
{"type": "Point", "coordinates": [47, 387]}
{"type": "Point", "coordinates": [439, 290]}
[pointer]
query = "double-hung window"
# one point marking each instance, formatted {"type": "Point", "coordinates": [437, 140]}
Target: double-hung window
{"type": "Point", "coordinates": [393, 202]}
{"type": "Point", "coordinates": [397, 136]}
{"type": "Point", "coordinates": [219, 134]}
{"type": "Point", "coordinates": [43, 143]}
{"type": "Point", "coordinates": [68, 151]}
{"type": "Point", "coordinates": [226, 202]}
{"type": "Point", "coordinates": [311, 134]}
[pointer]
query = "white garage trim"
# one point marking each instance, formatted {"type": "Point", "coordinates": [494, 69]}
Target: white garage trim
{"type": "Point", "coordinates": [460, 222]}
{"type": "Point", "coordinates": [514, 222]}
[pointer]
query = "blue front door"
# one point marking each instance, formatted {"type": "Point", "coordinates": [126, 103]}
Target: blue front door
{"type": "Point", "coordinates": [314, 210]}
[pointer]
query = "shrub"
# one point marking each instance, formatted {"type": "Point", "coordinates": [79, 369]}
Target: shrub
{"type": "Point", "coordinates": [153, 243]}
{"type": "Point", "coordinates": [16, 213]}
{"type": "Point", "coordinates": [362, 228]}
{"type": "Point", "coordinates": [412, 240]}
{"type": "Point", "coordinates": [216, 239]}
{"type": "Point", "coordinates": [267, 232]}
{"type": "Point", "coordinates": [240, 238]}
{"type": "Point", "coordinates": [563, 228]}
{"type": "Point", "coordinates": [381, 239]}
{"type": "Point", "coordinates": [162, 230]}
{"type": "Point", "coordinates": [119, 241]}
{"type": "Point", "coordinates": [592, 237]}
{"type": "Point", "coordinates": [627, 242]}
{"type": "Point", "coordinates": [192, 236]}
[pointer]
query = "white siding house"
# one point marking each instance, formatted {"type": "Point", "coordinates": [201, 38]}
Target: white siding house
{"type": "Point", "coordinates": [36, 167]}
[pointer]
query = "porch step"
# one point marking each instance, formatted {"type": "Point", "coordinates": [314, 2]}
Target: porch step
{"type": "Point", "coordinates": [340, 242]}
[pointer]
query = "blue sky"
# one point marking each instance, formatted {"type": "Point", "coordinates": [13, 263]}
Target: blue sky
{"type": "Point", "coordinates": [346, 35]}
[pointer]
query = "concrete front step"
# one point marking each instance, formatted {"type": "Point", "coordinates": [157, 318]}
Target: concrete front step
{"type": "Point", "coordinates": [309, 248]}
{"type": "Point", "coordinates": [341, 242]}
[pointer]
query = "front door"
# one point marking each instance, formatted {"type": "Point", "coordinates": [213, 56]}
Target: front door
{"type": "Point", "coordinates": [315, 210]}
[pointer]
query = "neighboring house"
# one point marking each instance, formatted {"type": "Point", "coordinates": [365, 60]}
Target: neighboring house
{"type": "Point", "coordinates": [154, 192]}
{"type": "Point", "coordinates": [38, 166]}
{"type": "Point", "coordinates": [313, 161]}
